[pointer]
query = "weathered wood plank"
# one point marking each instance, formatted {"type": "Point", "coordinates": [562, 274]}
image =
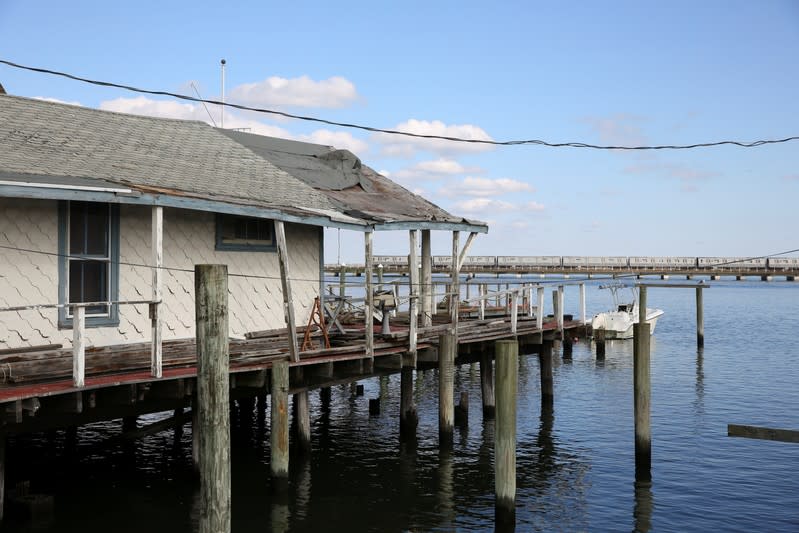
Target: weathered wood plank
{"type": "Point", "coordinates": [764, 433]}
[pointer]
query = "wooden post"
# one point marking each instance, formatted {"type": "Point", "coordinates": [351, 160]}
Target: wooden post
{"type": "Point", "coordinates": [446, 388]}
{"type": "Point", "coordinates": [560, 309]}
{"type": "Point", "coordinates": [539, 312]}
{"type": "Point", "coordinates": [530, 301]}
{"type": "Point", "coordinates": [455, 290]}
{"type": "Point", "coordinates": [507, 356]}
{"type": "Point", "coordinates": [427, 280]}
{"type": "Point", "coordinates": [487, 386]}
{"type": "Point", "coordinates": [370, 297]}
{"type": "Point", "coordinates": [641, 304]}
{"type": "Point", "coordinates": [211, 311]}
{"type": "Point", "coordinates": [413, 306]}
{"type": "Point", "coordinates": [288, 300]}
{"type": "Point", "coordinates": [158, 263]}
{"type": "Point", "coordinates": [545, 366]}
{"type": "Point", "coordinates": [482, 291]}
{"type": "Point", "coordinates": [582, 303]}
{"type": "Point", "coordinates": [408, 417]}
{"type": "Point", "coordinates": [514, 311]}
{"type": "Point", "coordinates": [78, 345]}
{"type": "Point", "coordinates": [700, 318]}
{"type": "Point", "coordinates": [342, 281]}
{"type": "Point", "coordinates": [303, 418]}
{"type": "Point", "coordinates": [641, 385]}
{"type": "Point", "coordinates": [380, 277]}
{"type": "Point", "coordinates": [279, 434]}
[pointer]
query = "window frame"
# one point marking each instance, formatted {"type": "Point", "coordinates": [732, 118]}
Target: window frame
{"type": "Point", "coordinates": [111, 318]}
{"type": "Point", "coordinates": [223, 246]}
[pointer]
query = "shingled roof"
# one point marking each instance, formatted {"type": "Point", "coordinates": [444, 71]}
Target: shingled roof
{"type": "Point", "coordinates": [56, 147]}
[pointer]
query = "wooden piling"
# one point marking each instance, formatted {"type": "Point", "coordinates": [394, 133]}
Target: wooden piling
{"type": "Point", "coordinates": [408, 417]}
{"type": "Point", "coordinates": [446, 388]}
{"type": "Point", "coordinates": [700, 318]}
{"type": "Point", "coordinates": [211, 311]}
{"type": "Point", "coordinates": [374, 406]}
{"type": "Point", "coordinates": [303, 419]}
{"type": "Point", "coordinates": [641, 385]}
{"type": "Point", "coordinates": [545, 365]}
{"type": "Point", "coordinates": [507, 357]}
{"type": "Point", "coordinates": [279, 434]}
{"type": "Point", "coordinates": [599, 339]}
{"type": "Point", "coordinates": [487, 386]}
{"type": "Point", "coordinates": [462, 410]}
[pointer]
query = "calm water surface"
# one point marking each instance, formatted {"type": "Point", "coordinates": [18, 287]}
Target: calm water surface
{"type": "Point", "coordinates": [575, 464]}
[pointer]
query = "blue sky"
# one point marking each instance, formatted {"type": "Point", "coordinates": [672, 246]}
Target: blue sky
{"type": "Point", "coordinates": [595, 72]}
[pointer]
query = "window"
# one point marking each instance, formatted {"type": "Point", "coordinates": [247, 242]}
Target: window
{"type": "Point", "coordinates": [88, 245]}
{"type": "Point", "coordinates": [244, 234]}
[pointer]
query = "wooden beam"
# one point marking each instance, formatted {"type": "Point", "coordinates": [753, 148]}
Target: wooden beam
{"type": "Point", "coordinates": [455, 287]}
{"type": "Point", "coordinates": [465, 251]}
{"type": "Point", "coordinates": [370, 297]}
{"type": "Point", "coordinates": [755, 432]}
{"type": "Point", "coordinates": [413, 310]}
{"type": "Point", "coordinates": [157, 245]}
{"type": "Point", "coordinates": [285, 280]}
{"type": "Point", "coordinates": [427, 280]}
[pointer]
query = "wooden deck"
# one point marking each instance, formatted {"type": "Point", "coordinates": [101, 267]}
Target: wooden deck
{"type": "Point", "coordinates": [34, 384]}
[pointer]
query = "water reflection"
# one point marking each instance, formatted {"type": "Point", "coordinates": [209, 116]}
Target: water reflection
{"type": "Point", "coordinates": [699, 402]}
{"type": "Point", "coordinates": [642, 511]}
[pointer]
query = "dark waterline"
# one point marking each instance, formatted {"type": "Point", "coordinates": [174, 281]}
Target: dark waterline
{"type": "Point", "coordinates": [575, 463]}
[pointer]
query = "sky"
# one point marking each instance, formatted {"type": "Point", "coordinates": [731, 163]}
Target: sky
{"type": "Point", "coordinates": [620, 73]}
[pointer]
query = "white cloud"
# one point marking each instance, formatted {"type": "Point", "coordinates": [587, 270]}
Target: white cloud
{"type": "Point", "coordinates": [338, 139]}
{"type": "Point", "coordinates": [472, 186]}
{"type": "Point", "coordinates": [186, 111]}
{"type": "Point", "coordinates": [482, 205]}
{"type": "Point", "coordinates": [56, 100]}
{"type": "Point", "coordinates": [335, 92]}
{"type": "Point", "coordinates": [441, 166]}
{"type": "Point", "coordinates": [404, 146]}
{"type": "Point", "coordinates": [534, 206]}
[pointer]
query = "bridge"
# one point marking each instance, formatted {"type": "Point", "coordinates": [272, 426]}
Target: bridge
{"type": "Point", "coordinates": [765, 268]}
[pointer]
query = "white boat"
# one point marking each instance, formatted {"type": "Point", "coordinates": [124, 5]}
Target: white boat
{"type": "Point", "coordinates": [618, 324]}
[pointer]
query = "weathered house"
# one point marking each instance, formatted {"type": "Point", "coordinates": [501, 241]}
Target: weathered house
{"type": "Point", "coordinates": [114, 209]}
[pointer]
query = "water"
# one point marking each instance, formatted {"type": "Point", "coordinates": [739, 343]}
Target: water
{"type": "Point", "coordinates": [575, 465]}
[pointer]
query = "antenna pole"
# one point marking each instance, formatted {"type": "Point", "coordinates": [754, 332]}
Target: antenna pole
{"type": "Point", "coordinates": [222, 119]}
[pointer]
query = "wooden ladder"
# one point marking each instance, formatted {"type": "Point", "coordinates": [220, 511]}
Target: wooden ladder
{"type": "Point", "coordinates": [317, 319]}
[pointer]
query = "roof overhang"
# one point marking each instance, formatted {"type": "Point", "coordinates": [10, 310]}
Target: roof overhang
{"type": "Point", "coordinates": [96, 190]}
{"type": "Point", "coordinates": [87, 190]}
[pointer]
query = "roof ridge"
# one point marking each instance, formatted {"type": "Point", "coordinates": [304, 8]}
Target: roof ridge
{"type": "Point", "coordinates": [43, 100]}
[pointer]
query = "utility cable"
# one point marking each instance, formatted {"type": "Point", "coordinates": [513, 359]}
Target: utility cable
{"type": "Point", "coordinates": [538, 142]}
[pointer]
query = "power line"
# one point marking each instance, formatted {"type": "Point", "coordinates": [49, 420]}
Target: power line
{"type": "Point", "coordinates": [537, 142]}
